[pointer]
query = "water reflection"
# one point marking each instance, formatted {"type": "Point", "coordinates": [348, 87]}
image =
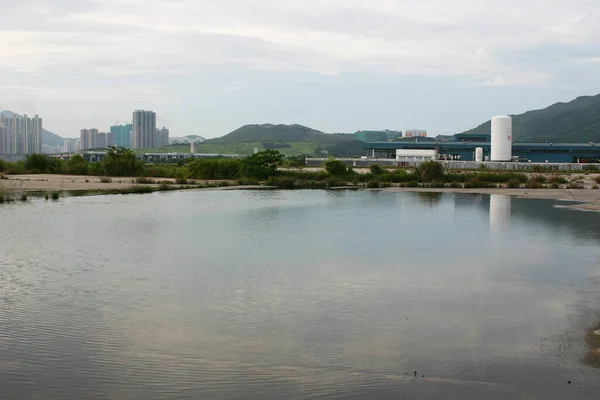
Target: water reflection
{"type": "Point", "coordinates": [500, 208]}
{"type": "Point", "coordinates": [301, 294]}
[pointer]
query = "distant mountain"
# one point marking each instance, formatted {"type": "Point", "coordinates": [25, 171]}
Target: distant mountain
{"type": "Point", "coordinates": [575, 121]}
{"type": "Point", "coordinates": [51, 139]}
{"type": "Point", "coordinates": [279, 133]}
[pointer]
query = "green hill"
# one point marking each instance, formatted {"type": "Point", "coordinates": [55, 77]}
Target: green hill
{"type": "Point", "coordinates": [51, 139]}
{"type": "Point", "coordinates": [279, 133]}
{"type": "Point", "coordinates": [575, 121]}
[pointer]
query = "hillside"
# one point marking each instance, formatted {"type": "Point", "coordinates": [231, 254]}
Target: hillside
{"type": "Point", "coordinates": [575, 121]}
{"type": "Point", "coordinates": [279, 133]}
{"type": "Point", "coordinates": [51, 139]}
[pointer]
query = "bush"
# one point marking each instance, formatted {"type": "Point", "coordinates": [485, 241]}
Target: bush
{"type": "Point", "coordinates": [430, 171]}
{"type": "Point", "coordinates": [555, 185]}
{"type": "Point", "coordinates": [476, 183]}
{"type": "Point", "coordinates": [455, 185]}
{"type": "Point", "coordinates": [248, 181]}
{"type": "Point", "coordinates": [55, 195]}
{"type": "Point", "coordinates": [376, 169]}
{"type": "Point", "coordinates": [412, 184]}
{"type": "Point", "coordinates": [2, 166]}
{"type": "Point", "coordinates": [373, 184]}
{"type": "Point", "coordinates": [211, 169]}
{"type": "Point", "coordinates": [558, 179]}
{"type": "Point", "coordinates": [23, 197]}
{"type": "Point", "coordinates": [575, 185]}
{"type": "Point", "coordinates": [335, 167]}
{"type": "Point", "coordinates": [513, 184]}
{"type": "Point", "coordinates": [335, 181]}
{"type": "Point", "coordinates": [261, 165]}
{"type": "Point", "coordinates": [285, 182]}
{"type": "Point", "coordinates": [597, 179]}
{"type": "Point", "coordinates": [76, 165]}
{"type": "Point", "coordinates": [595, 187]}
{"type": "Point", "coordinates": [164, 187]}
{"type": "Point", "coordinates": [144, 180]}
{"type": "Point", "coordinates": [105, 180]}
{"type": "Point", "coordinates": [539, 179]}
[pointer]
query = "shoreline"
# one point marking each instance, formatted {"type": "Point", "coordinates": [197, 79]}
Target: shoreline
{"type": "Point", "coordinates": [588, 199]}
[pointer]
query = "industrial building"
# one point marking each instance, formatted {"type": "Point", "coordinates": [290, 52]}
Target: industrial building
{"type": "Point", "coordinates": [497, 147]}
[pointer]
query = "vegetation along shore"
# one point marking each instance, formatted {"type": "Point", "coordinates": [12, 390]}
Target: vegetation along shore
{"type": "Point", "coordinates": [121, 173]}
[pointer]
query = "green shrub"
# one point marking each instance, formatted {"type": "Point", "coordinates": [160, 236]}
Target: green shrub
{"type": "Point", "coordinates": [46, 196]}
{"type": "Point", "coordinates": [376, 169]}
{"type": "Point", "coordinates": [513, 184]}
{"type": "Point", "coordinates": [23, 197]}
{"type": "Point", "coordinates": [412, 184]}
{"type": "Point", "coordinates": [373, 184]}
{"type": "Point", "coordinates": [212, 169]}
{"type": "Point", "coordinates": [539, 179]}
{"type": "Point", "coordinates": [558, 179]}
{"type": "Point", "coordinates": [55, 195]}
{"type": "Point", "coordinates": [476, 183]}
{"type": "Point", "coordinates": [455, 185]}
{"type": "Point", "coordinates": [285, 182]}
{"type": "Point", "coordinates": [336, 181]}
{"type": "Point", "coordinates": [595, 187]}
{"type": "Point", "coordinates": [105, 180]}
{"type": "Point", "coordinates": [430, 171]}
{"type": "Point", "coordinates": [335, 167]}
{"type": "Point", "coordinates": [165, 186]}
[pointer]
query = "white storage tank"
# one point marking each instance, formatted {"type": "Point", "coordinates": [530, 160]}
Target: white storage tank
{"type": "Point", "coordinates": [501, 138]}
{"type": "Point", "coordinates": [479, 154]}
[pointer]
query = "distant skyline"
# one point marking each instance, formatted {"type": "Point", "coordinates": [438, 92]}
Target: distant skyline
{"type": "Point", "coordinates": [207, 67]}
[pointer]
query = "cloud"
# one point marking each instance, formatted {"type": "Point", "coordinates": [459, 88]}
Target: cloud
{"type": "Point", "coordinates": [73, 49]}
{"type": "Point", "coordinates": [398, 37]}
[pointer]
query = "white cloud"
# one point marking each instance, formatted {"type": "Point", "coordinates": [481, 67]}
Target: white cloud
{"type": "Point", "coordinates": [103, 43]}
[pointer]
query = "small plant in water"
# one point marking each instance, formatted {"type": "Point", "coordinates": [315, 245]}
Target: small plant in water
{"type": "Point", "coordinates": [55, 195]}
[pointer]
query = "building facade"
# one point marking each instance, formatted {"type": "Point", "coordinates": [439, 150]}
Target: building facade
{"type": "Point", "coordinates": [122, 135]}
{"type": "Point", "coordinates": [20, 134]}
{"type": "Point", "coordinates": [92, 139]}
{"type": "Point", "coordinates": [144, 129]}
{"type": "Point", "coordinates": [162, 137]}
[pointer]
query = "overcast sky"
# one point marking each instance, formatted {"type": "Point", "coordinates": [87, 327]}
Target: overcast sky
{"type": "Point", "coordinates": [209, 66]}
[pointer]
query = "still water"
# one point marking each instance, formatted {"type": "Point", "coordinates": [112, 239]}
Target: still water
{"type": "Point", "coordinates": [298, 295]}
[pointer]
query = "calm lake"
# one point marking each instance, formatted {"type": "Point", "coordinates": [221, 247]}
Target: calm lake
{"type": "Point", "coordinates": [297, 295]}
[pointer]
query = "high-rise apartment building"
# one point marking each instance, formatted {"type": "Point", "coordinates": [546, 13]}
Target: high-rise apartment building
{"type": "Point", "coordinates": [122, 135]}
{"type": "Point", "coordinates": [70, 145]}
{"type": "Point", "coordinates": [5, 147]}
{"type": "Point", "coordinates": [89, 139]}
{"type": "Point", "coordinates": [162, 137]}
{"type": "Point", "coordinates": [144, 129]}
{"type": "Point", "coordinates": [20, 134]}
{"type": "Point", "coordinates": [92, 139]}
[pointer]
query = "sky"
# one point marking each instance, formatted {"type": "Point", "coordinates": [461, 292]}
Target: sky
{"type": "Point", "coordinates": [207, 67]}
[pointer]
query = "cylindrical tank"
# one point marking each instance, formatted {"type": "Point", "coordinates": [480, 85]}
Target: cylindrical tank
{"type": "Point", "coordinates": [501, 138]}
{"type": "Point", "coordinates": [193, 147]}
{"type": "Point", "coordinates": [479, 154]}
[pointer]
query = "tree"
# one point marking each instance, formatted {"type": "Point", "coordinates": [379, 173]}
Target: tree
{"type": "Point", "coordinates": [336, 167]}
{"type": "Point", "coordinates": [430, 171]}
{"type": "Point", "coordinates": [121, 162]}
{"type": "Point", "coordinates": [261, 165]}
{"type": "Point", "coordinates": [39, 164]}
{"type": "Point", "coordinates": [76, 165]}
